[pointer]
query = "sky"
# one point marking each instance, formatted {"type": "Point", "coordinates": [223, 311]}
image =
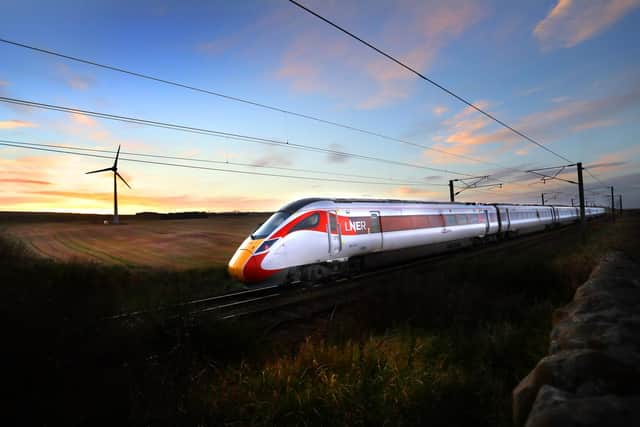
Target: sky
{"type": "Point", "coordinates": [564, 72]}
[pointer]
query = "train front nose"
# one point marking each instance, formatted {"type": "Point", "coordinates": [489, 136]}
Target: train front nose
{"type": "Point", "coordinates": [240, 258]}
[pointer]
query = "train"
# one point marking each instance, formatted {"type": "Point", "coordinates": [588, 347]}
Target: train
{"type": "Point", "coordinates": [316, 238]}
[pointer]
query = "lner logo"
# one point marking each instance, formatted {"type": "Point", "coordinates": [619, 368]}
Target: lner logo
{"type": "Point", "coordinates": [355, 226]}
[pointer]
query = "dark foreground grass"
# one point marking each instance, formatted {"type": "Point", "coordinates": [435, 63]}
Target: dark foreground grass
{"type": "Point", "coordinates": [65, 364]}
{"type": "Point", "coordinates": [443, 346]}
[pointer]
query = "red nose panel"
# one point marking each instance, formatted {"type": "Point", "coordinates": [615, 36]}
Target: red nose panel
{"type": "Point", "coordinates": [254, 273]}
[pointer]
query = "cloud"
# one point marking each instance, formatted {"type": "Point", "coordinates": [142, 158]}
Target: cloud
{"type": "Point", "coordinates": [416, 192]}
{"type": "Point", "coordinates": [530, 91]}
{"type": "Point", "coordinates": [571, 22]}
{"type": "Point", "coordinates": [469, 133]}
{"type": "Point", "coordinates": [103, 201]}
{"type": "Point", "coordinates": [606, 165]}
{"type": "Point", "coordinates": [25, 171]}
{"type": "Point", "coordinates": [23, 181]}
{"type": "Point", "coordinates": [272, 159]}
{"type": "Point", "coordinates": [4, 83]}
{"type": "Point", "coordinates": [615, 161]}
{"type": "Point", "coordinates": [337, 157]}
{"type": "Point", "coordinates": [594, 124]}
{"type": "Point", "coordinates": [219, 45]}
{"type": "Point", "coordinates": [328, 63]}
{"type": "Point", "coordinates": [439, 110]}
{"type": "Point", "coordinates": [74, 80]}
{"type": "Point", "coordinates": [84, 120]}
{"type": "Point", "coordinates": [15, 124]}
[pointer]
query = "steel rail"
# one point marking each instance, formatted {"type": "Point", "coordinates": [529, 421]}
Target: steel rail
{"type": "Point", "coordinates": [309, 292]}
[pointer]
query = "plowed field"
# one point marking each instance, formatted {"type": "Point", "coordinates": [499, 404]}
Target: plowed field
{"type": "Point", "coordinates": [167, 244]}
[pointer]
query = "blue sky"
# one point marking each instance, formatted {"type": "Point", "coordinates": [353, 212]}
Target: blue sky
{"type": "Point", "coordinates": [564, 72]}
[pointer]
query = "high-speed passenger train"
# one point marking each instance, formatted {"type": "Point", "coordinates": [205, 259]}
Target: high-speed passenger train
{"type": "Point", "coordinates": [314, 238]}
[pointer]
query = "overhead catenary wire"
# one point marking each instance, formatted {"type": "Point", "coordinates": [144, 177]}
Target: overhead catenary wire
{"type": "Point", "coordinates": [429, 80]}
{"type": "Point", "coordinates": [43, 147]}
{"type": "Point", "coordinates": [594, 177]}
{"type": "Point", "coordinates": [251, 102]}
{"type": "Point", "coordinates": [302, 115]}
{"type": "Point", "coordinates": [243, 100]}
{"type": "Point", "coordinates": [219, 134]}
{"type": "Point", "coordinates": [219, 162]}
{"type": "Point", "coordinates": [152, 162]}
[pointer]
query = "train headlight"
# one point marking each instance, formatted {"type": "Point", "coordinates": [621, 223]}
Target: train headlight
{"type": "Point", "coordinates": [266, 245]}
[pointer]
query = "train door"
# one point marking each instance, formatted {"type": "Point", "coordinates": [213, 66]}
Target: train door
{"type": "Point", "coordinates": [334, 234]}
{"type": "Point", "coordinates": [486, 218]}
{"type": "Point", "coordinates": [508, 220]}
{"type": "Point", "coordinates": [375, 231]}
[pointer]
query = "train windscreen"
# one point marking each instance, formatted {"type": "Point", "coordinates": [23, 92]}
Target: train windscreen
{"type": "Point", "coordinates": [271, 224]}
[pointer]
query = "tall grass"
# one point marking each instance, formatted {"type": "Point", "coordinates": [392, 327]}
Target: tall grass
{"type": "Point", "coordinates": [66, 364]}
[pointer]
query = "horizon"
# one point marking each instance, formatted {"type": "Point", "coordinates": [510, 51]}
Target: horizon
{"type": "Point", "coordinates": [565, 73]}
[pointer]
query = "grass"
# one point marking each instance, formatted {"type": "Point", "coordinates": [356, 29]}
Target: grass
{"type": "Point", "coordinates": [67, 365]}
{"type": "Point", "coordinates": [436, 347]}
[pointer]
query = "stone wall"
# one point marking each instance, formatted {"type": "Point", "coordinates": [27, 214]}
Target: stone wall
{"type": "Point", "coordinates": [591, 376]}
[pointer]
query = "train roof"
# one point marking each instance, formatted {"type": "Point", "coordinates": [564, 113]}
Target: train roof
{"type": "Point", "coordinates": [296, 205]}
{"type": "Point", "coordinates": [300, 203]}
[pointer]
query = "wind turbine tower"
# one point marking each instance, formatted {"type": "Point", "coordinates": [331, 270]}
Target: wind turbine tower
{"type": "Point", "coordinates": [116, 175]}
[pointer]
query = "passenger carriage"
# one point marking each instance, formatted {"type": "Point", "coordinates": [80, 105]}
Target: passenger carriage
{"type": "Point", "coordinates": [314, 238]}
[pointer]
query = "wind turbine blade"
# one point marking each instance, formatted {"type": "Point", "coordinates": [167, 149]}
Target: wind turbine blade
{"type": "Point", "coordinates": [99, 170]}
{"type": "Point", "coordinates": [125, 182]}
{"type": "Point", "coordinates": [115, 164]}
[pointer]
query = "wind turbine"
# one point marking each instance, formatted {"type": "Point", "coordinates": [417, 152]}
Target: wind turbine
{"type": "Point", "coordinates": [116, 175]}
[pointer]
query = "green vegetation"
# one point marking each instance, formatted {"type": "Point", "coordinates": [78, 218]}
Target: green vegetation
{"type": "Point", "coordinates": [442, 345]}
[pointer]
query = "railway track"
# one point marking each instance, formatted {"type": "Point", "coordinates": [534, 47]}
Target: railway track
{"type": "Point", "coordinates": [295, 301]}
{"type": "Point", "coordinates": [209, 303]}
{"type": "Point", "coordinates": [305, 300]}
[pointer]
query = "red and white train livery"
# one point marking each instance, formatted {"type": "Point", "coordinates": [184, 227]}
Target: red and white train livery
{"type": "Point", "coordinates": [313, 238]}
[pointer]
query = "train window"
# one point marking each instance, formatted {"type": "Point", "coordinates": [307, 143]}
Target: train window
{"type": "Point", "coordinates": [333, 223]}
{"type": "Point", "coordinates": [450, 220]}
{"type": "Point", "coordinates": [307, 223]}
{"type": "Point", "coordinates": [462, 219]}
{"type": "Point", "coordinates": [375, 223]}
{"type": "Point", "coordinates": [436, 221]}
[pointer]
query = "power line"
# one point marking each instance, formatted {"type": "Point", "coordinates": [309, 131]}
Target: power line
{"type": "Point", "coordinates": [254, 103]}
{"type": "Point", "coordinates": [219, 162]}
{"type": "Point", "coordinates": [219, 134]}
{"type": "Point", "coordinates": [434, 83]}
{"type": "Point", "coordinates": [242, 100]}
{"type": "Point", "coordinates": [308, 178]}
{"type": "Point", "coordinates": [594, 177]}
{"type": "Point", "coordinates": [293, 113]}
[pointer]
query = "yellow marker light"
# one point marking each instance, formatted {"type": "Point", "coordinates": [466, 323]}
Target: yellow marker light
{"type": "Point", "coordinates": [240, 258]}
